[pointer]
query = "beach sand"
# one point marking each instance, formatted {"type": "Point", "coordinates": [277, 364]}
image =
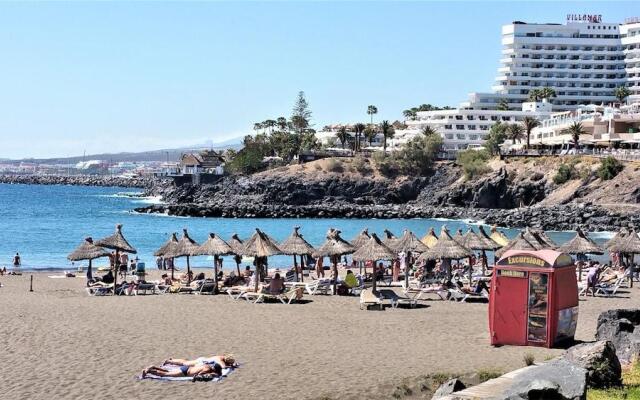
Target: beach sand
{"type": "Point", "coordinates": [57, 342]}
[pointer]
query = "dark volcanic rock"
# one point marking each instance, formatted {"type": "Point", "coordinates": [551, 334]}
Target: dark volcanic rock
{"type": "Point", "coordinates": [600, 361]}
{"type": "Point", "coordinates": [449, 387]}
{"type": "Point", "coordinates": [77, 180]}
{"type": "Point", "coordinates": [622, 328]}
{"type": "Point", "coordinates": [555, 380]}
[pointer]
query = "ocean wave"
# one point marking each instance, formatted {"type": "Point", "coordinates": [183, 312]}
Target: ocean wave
{"type": "Point", "coordinates": [127, 195]}
{"type": "Point", "coordinates": [149, 200]}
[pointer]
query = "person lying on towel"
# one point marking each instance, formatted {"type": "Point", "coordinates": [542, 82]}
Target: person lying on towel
{"type": "Point", "coordinates": [213, 369]}
{"type": "Point", "coordinates": [225, 361]}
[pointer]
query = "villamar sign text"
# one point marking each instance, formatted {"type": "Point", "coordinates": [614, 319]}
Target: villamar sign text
{"type": "Point", "coordinates": [594, 18]}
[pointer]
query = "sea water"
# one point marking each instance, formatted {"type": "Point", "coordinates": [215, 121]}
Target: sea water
{"type": "Point", "coordinates": [45, 223]}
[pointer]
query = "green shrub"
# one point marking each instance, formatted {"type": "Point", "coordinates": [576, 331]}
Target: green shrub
{"type": "Point", "coordinates": [609, 168]}
{"type": "Point", "coordinates": [334, 165]}
{"type": "Point", "coordinates": [487, 374]}
{"type": "Point", "coordinates": [529, 359]}
{"type": "Point", "coordinates": [566, 172]}
{"type": "Point", "coordinates": [473, 163]}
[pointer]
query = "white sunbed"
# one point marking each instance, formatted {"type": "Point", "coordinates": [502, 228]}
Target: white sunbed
{"type": "Point", "coordinates": [319, 286]}
{"type": "Point", "coordinates": [397, 300]}
{"type": "Point", "coordinates": [609, 290]}
{"type": "Point", "coordinates": [462, 297]}
{"type": "Point", "coordinates": [368, 299]}
{"type": "Point", "coordinates": [100, 290]}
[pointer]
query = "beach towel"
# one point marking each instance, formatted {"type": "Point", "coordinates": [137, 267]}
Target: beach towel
{"type": "Point", "coordinates": [225, 373]}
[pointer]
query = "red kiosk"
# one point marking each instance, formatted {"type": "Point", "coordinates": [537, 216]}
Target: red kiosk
{"type": "Point", "coordinates": [534, 299]}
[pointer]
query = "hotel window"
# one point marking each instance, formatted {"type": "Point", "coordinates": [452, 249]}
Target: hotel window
{"type": "Point", "coordinates": [449, 136]}
{"type": "Point", "coordinates": [473, 137]}
{"type": "Point", "coordinates": [471, 127]}
{"type": "Point", "coordinates": [447, 126]}
{"type": "Point", "coordinates": [470, 117]}
{"type": "Point", "coordinates": [460, 127]}
{"type": "Point", "coordinates": [459, 117]}
{"type": "Point", "coordinates": [460, 136]}
{"type": "Point", "coordinates": [494, 117]}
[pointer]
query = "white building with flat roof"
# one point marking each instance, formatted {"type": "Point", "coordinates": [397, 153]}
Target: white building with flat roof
{"type": "Point", "coordinates": [583, 61]}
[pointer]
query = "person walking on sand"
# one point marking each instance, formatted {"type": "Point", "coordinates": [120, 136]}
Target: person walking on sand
{"type": "Point", "coordinates": [16, 260]}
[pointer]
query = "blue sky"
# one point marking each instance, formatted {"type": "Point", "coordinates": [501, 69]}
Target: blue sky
{"type": "Point", "coordinates": [137, 76]}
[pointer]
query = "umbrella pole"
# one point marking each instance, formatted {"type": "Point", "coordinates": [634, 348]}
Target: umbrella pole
{"type": "Point", "coordinates": [632, 269]}
{"type": "Point", "coordinates": [295, 267]}
{"type": "Point", "coordinates": [579, 269]}
{"type": "Point", "coordinates": [116, 266]}
{"type": "Point", "coordinates": [406, 269]}
{"type": "Point", "coordinates": [188, 272]}
{"type": "Point", "coordinates": [237, 265]}
{"type": "Point", "coordinates": [335, 274]}
{"type": "Point", "coordinates": [215, 274]}
{"type": "Point", "coordinates": [375, 277]}
{"type": "Point", "coordinates": [301, 268]}
{"type": "Point", "coordinates": [173, 268]}
{"type": "Point", "coordinates": [255, 288]}
{"type": "Point", "coordinates": [484, 262]}
{"type": "Point", "coordinates": [470, 271]}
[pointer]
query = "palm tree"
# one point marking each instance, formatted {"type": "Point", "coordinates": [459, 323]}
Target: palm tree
{"type": "Point", "coordinates": [529, 124]}
{"type": "Point", "coordinates": [358, 129]}
{"type": "Point", "coordinates": [257, 126]}
{"type": "Point", "coordinates": [515, 132]}
{"type": "Point", "coordinates": [410, 114]}
{"type": "Point", "coordinates": [547, 93]}
{"type": "Point", "coordinates": [269, 124]}
{"type": "Point", "coordinates": [428, 131]}
{"type": "Point", "coordinates": [387, 133]}
{"type": "Point", "coordinates": [342, 135]}
{"type": "Point", "coordinates": [621, 93]}
{"type": "Point", "coordinates": [370, 134]}
{"type": "Point", "coordinates": [575, 130]}
{"type": "Point", "coordinates": [535, 95]}
{"type": "Point", "coordinates": [371, 110]}
{"type": "Point", "coordinates": [503, 105]}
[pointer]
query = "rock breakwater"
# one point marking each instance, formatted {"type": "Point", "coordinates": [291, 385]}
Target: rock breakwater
{"type": "Point", "coordinates": [77, 180]}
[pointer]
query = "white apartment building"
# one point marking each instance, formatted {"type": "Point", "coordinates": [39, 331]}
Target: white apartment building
{"type": "Point", "coordinates": [583, 60]}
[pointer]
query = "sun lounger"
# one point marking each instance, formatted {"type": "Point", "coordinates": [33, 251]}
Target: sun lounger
{"type": "Point", "coordinates": [368, 299]}
{"type": "Point", "coordinates": [236, 292]}
{"type": "Point", "coordinates": [207, 287]}
{"type": "Point", "coordinates": [462, 297]}
{"type": "Point", "coordinates": [320, 286]}
{"type": "Point", "coordinates": [418, 293]}
{"type": "Point", "coordinates": [286, 297]}
{"type": "Point", "coordinates": [144, 288]}
{"type": "Point", "coordinates": [396, 300]}
{"type": "Point", "coordinates": [609, 290]}
{"type": "Point", "coordinates": [100, 290]}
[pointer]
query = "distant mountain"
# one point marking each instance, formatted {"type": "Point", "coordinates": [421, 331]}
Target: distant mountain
{"type": "Point", "coordinates": [152, 155]}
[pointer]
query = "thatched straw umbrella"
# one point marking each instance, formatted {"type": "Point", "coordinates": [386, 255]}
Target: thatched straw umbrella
{"type": "Point", "coordinates": [546, 238]}
{"type": "Point", "coordinates": [389, 238]}
{"type": "Point", "coordinates": [580, 244]}
{"type": "Point", "coordinates": [534, 237]}
{"type": "Point", "coordinates": [620, 235]}
{"type": "Point", "coordinates": [87, 251]}
{"type": "Point", "coordinates": [169, 247]}
{"type": "Point", "coordinates": [260, 246]}
{"type": "Point", "coordinates": [334, 247]}
{"type": "Point", "coordinates": [498, 236]}
{"type": "Point", "coordinates": [518, 243]}
{"type": "Point", "coordinates": [446, 249]}
{"type": "Point", "coordinates": [238, 249]}
{"type": "Point", "coordinates": [478, 242]}
{"type": "Point", "coordinates": [358, 241]}
{"type": "Point", "coordinates": [374, 250]}
{"type": "Point", "coordinates": [430, 239]}
{"type": "Point", "coordinates": [408, 244]}
{"type": "Point", "coordinates": [118, 243]}
{"type": "Point", "coordinates": [215, 246]}
{"type": "Point", "coordinates": [629, 245]}
{"type": "Point", "coordinates": [186, 247]}
{"type": "Point", "coordinates": [296, 245]}
{"type": "Point", "coordinates": [458, 236]}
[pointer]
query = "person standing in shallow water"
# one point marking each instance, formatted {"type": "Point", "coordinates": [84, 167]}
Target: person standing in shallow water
{"type": "Point", "coordinates": [16, 260]}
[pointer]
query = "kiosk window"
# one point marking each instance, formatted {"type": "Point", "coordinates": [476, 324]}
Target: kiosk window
{"type": "Point", "coordinates": [538, 304]}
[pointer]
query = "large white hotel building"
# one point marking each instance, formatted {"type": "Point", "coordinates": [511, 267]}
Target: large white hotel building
{"type": "Point", "coordinates": [584, 61]}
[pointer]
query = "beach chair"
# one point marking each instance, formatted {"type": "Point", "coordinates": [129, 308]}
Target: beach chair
{"type": "Point", "coordinates": [260, 297]}
{"type": "Point", "coordinates": [144, 288]}
{"type": "Point", "coordinates": [181, 289]}
{"type": "Point", "coordinates": [462, 297]}
{"type": "Point", "coordinates": [320, 286]}
{"type": "Point", "coordinates": [237, 292]}
{"type": "Point", "coordinates": [418, 292]}
{"type": "Point", "coordinates": [609, 290]}
{"type": "Point", "coordinates": [356, 290]}
{"type": "Point", "coordinates": [100, 290]}
{"type": "Point", "coordinates": [370, 299]}
{"type": "Point", "coordinates": [396, 300]}
{"type": "Point", "coordinates": [206, 287]}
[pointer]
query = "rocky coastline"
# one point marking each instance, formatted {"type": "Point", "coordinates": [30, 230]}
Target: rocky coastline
{"type": "Point", "coordinates": [77, 180]}
{"type": "Point", "coordinates": [559, 218]}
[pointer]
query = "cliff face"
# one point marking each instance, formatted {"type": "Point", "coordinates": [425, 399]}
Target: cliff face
{"type": "Point", "coordinates": [515, 193]}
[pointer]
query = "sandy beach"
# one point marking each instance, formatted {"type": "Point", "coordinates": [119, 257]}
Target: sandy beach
{"type": "Point", "coordinates": [57, 342]}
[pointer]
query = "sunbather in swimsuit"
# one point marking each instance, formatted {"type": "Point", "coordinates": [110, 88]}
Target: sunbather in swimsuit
{"type": "Point", "coordinates": [225, 361]}
{"type": "Point", "coordinates": [185, 370]}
